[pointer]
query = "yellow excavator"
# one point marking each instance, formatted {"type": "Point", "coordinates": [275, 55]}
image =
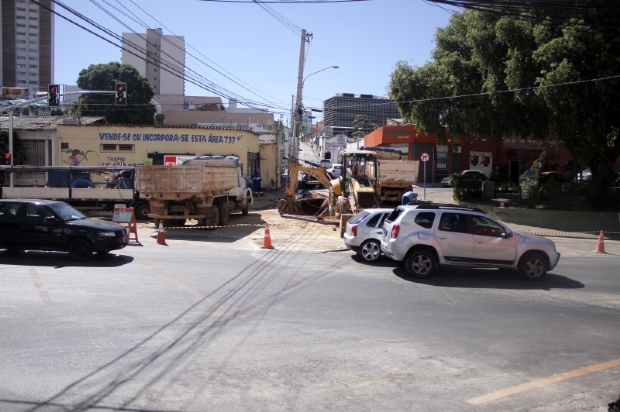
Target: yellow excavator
{"type": "Point", "coordinates": [354, 191]}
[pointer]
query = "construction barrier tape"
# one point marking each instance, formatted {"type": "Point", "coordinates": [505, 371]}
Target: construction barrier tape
{"type": "Point", "coordinates": [594, 232]}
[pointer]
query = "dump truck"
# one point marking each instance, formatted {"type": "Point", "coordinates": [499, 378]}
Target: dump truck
{"type": "Point", "coordinates": [396, 173]}
{"type": "Point", "coordinates": [205, 188]}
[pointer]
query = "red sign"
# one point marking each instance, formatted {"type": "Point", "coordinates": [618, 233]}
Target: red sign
{"type": "Point", "coordinates": [170, 160]}
{"type": "Point", "coordinates": [425, 157]}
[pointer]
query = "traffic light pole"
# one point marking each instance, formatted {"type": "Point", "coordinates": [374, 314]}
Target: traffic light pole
{"type": "Point", "coordinates": [11, 110]}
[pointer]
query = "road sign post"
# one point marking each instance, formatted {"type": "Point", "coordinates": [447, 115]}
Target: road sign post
{"type": "Point", "coordinates": [425, 158]}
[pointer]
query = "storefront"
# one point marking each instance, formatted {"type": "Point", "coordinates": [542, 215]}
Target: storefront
{"type": "Point", "coordinates": [120, 146]}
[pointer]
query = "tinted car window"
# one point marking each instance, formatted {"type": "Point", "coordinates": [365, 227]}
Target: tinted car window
{"type": "Point", "coordinates": [425, 219]}
{"type": "Point", "coordinates": [454, 222]}
{"type": "Point", "coordinates": [8, 210]}
{"type": "Point", "coordinates": [394, 214]}
{"type": "Point", "coordinates": [66, 212]}
{"type": "Point", "coordinates": [487, 227]}
{"type": "Point", "coordinates": [37, 213]}
{"type": "Point", "coordinates": [372, 222]}
{"type": "Point", "coordinates": [359, 217]}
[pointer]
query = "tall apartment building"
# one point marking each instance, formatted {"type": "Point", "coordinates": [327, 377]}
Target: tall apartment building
{"type": "Point", "coordinates": [342, 109]}
{"type": "Point", "coordinates": [27, 38]}
{"type": "Point", "coordinates": [160, 58]}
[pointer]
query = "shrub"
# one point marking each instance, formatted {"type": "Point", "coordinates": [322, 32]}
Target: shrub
{"type": "Point", "coordinates": [552, 188]}
{"type": "Point", "coordinates": [465, 187]}
{"type": "Point", "coordinates": [532, 189]}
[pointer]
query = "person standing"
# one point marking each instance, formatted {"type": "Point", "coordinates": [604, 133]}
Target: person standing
{"type": "Point", "coordinates": [410, 197]}
{"type": "Point", "coordinates": [257, 178]}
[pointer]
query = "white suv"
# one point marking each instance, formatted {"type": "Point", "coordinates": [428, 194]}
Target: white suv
{"type": "Point", "coordinates": [432, 235]}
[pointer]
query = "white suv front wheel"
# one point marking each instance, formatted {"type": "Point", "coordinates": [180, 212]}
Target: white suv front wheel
{"type": "Point", "coordinates": [370, 251]}
{"type": "Point", "coordinates": [421, 264]}
{"type": "Point", "coordinates": [533, 266]}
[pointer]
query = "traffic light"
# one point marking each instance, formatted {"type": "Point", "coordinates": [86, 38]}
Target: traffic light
{"type": "Point", "coordinates": [120, 97]}
{"type": "Point", "coordinates": [7, 158]}
{"type": "Point", "coordinates": [53, 97]}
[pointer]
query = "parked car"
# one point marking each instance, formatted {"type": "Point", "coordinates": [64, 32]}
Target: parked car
{"type": "Point", "coordinates": [426, 237]}
{"type": "Point", "coordinates": [326, 163]}
{"type": "Point", "coordinates": [364, 233]}
{"type": "Point", "coordinates": [549, 176]}
{"type": "Point", "coordinates": [445, 182]}
{"type": "Point", "coordinates": [335, 170]}
{"type": "Point", "coordinates": [476, 174]}
{"type": "Point", "coordinates": [56, 226]}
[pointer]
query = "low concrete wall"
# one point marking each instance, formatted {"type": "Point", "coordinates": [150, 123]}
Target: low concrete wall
{"type": "Point", "coordinates": [567, 221]}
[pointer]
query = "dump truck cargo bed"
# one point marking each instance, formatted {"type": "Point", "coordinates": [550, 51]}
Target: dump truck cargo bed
{"type": "Point", "coordinates": [210, 178]}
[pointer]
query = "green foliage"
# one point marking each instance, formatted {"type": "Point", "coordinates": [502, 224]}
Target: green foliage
{"type": "Point", "coordinates": [26, 110]}
{"type": "Point", "coordinates": [552, 188]}
{"type": "Point", "coordinates": [139, 109]}
{"type": "Point", "coordinates": [486, 53]}
{"type": "Point", "coordinates": [56, 111]}
{"type": "Point", "coordinates": [532, 189]}
{"type": "Point", "coordinates": [465, 187]}
{"type": "Point", "coordinates": [363, 124]}
{"type": "Point", "coordinates": [602, 197]}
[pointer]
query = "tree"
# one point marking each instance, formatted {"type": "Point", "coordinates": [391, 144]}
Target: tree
{"type": "Point", "coordinates": [139, 109]}
{"type": "Point", "coordinates": [363, 126]}
{"type": "Point", "coordinates": [480, 53]}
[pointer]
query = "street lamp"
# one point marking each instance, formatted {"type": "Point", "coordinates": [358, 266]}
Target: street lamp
{"type": "Point", "coordinates": [298, 109]}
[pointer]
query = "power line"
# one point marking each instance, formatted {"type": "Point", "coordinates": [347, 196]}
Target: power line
{"type": "Point", "coordinates": [172, 71]}
{"type": "Point", "coordinates": [199, 60]}
{"type": "Point", "coordinates": [287, 23]}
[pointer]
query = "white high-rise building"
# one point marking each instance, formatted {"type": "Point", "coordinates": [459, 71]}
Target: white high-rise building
{"type": "Point", "coordinates": [158, 57]}
{"type": "Point", "coordinates": [27, 38]}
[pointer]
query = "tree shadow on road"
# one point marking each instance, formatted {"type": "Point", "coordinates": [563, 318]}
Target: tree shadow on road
{"type": "Point", "coordinates": [490, 279]}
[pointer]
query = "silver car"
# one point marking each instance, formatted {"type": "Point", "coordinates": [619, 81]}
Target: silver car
{"type": "Point", "coordinates": [364, 233]}
{"type": "Point", "coordinates": [428, 236]}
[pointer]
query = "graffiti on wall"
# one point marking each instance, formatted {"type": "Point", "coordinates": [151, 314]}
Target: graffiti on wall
{"type": "Point", "coordinates": [77, 156]}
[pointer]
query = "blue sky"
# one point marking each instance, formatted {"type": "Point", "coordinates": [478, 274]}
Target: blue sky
{"type": "Point", "coordinates": [365, 39]}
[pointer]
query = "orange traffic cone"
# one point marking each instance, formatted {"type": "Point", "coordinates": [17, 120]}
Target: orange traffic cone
{"type": "Point", "coordinates": [267, 239]}
{"type": "Point", "coordinates": [161, 237]}
{"type": "Point", "coordinates": [600, 245]}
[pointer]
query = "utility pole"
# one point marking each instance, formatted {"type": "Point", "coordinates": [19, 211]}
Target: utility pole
{"type": "Point", "coordinates": [300, 85]}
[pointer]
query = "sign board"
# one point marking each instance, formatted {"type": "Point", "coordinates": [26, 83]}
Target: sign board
{"type": "Point", "coordinates": [173, 160]}
{"type": "Point", "coordinates": [425, 157]}
{"type": "Point", "coordinates": [122, 214]}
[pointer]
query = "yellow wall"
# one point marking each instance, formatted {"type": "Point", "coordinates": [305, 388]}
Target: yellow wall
{"type": "Point", "coordinates": [85, 144]}
{"type": "Point", "coordinates": [268, 165]}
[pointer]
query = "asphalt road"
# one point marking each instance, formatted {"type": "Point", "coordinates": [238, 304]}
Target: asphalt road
{"type": "Point", "coordinates": [215, 323]}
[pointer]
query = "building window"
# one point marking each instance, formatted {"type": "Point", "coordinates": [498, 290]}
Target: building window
{"type": "Point", "coordinates": [21, 41]}
{"type": "Point", "coordinates": [21, 49]}
{"type": "Point", "coordinates": [33, 10]}
{"type": "Point", "coordinates": [33, 18]}
{"type": "Point", "coordinates": [21, 33]}
{"type": "Point", "coordinates": [33, 27]}
{"type": "Point", "coordinates": [33, 34]}
{"type": "Point", "coordinates": [21, 66]}
{"type": "Point", "coordinates": [21, 81]}
{"type": "Point", "coordinates": [20, 25]}
{"type": "Point", "coordinates": [20, 9]}
{"type": "Point", "coordinates": [33, 66]}
{"type": "Point", "coordinates": [32, 42]}
{"type": "Point", "coordinates": [33, 50]}
{"type": "Point", "coordinates": [34, 58]}
{"type": "Point", "coordinates": [34, 82]}
{"type": "Point", "coordinates": [21, 73]}
{"type": "Point", "coordinates": [34, 74]}
{"type": "Point", "coordinates": [21, 57]}
{"type": "Point", "coordinates": [117, 148]}
{"type": "Point", "coordinates": [20, 17]}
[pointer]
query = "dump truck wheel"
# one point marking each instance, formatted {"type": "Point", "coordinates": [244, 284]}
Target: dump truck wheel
{"type": "Point", "coordinates": [223, 209]}
{"type": "Point", "coordinates": [215, 217]}
{"type": "Point", "coordinates": [246, 209]}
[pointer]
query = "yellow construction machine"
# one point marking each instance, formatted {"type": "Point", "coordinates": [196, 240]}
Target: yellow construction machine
{"type": "Point", "coordinates": [354, 191]}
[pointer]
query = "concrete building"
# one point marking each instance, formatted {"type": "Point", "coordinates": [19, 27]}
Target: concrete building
{"type": "Point", "coordinates": [160, 58]}
{"type": "Point", "coordinates": [342, 109]}
{"type": "Point", "coordinates": [27, 39]}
